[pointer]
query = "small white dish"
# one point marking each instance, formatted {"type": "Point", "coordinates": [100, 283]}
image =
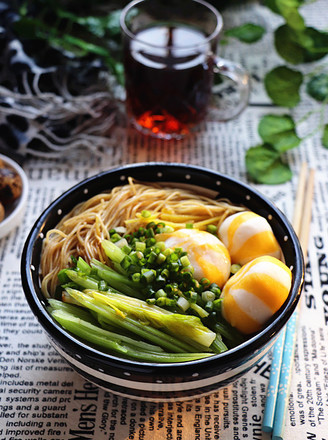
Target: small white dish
{"type": "Point", "coordinates": [14, 216]}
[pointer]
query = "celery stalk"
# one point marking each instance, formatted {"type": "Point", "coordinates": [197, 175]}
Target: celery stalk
{"type": "Point", "coordinates": [113, 252]}
{"type": "Point", "coordinates": [105, 340]}
{"type": "Point", "coordinates": [119, 320]}
{"type": "Point", "coordinates": [185, 327]}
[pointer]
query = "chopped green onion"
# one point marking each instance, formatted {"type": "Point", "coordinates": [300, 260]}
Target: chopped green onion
{"type": "Point", "coordinates": [205, 282]}
{"type": "Point", "coordinates": [150, 241]}
{"type": "Point", "coordinates": [207, 295]}
{"type": "Point", "coordinates": [185, 261]}
{"type": "Point", "coordinates": [120, 230]}
{"type": "Point", "coordinates": [148, 276]}
{"type": "Point", "coordinates": [174, 257]}
{"type": "Point", "coordinates": [160, 258]}
{"type": "Point", "coordinates": [209, 306]}
{"type": "Point", "coordinates": [215, 289]}
{"type": "Point", "coordinates": [167, 229]}
{"type": "Point", "coordinates": [126, 262]}
{"type": "Point", "coordinates": [160, 293]}
{"type": "Point", "coordinates": [151, 258]}
{"type": "Point", "coordinates": [217, 305]}
{"type": "Point", "coordinates": [165, 273]}
{"type": "Point", "coordinates": [168, 251]}
{"type": "Point", "coordinates": [164, 301]}
{"type": "Point", "coordinates": [234, 268]}
{"type": "Point", "coordinates": [187, 274]}
{"type": "Point", "coordinates": [139, 255]}
{"type": "Point", "coordinates": [174, 267]}
{"type": "Point", "coordinates": [121, 243]}
{"type": "Point", "coordinates": [140, 246]}
{"type": "Point", "coordinates": [193, 297]}
{"type": "Point", "coordinates": [160, 281]}
{"type": "Point", "coordinates": [115, 238]}
{"type": "Point", "coordinates": [145, 213]}
{"type": "Point", "coordinates": [212, 229]}
{"type": "Point", "coordinates": [199, 310]}
{"type": "Point", "coordinates": [136, 277]}
{"type": "Point", "coordinates": [161, 245]}
{"type": "Point", "coordinates": [183, 303]}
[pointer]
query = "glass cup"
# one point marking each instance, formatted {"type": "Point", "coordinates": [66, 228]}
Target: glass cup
{"type": "Point", "coordinates": [170, 65]}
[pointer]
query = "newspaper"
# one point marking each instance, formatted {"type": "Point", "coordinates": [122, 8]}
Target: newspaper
{"type": "Point", "coordinates": [42, 398]}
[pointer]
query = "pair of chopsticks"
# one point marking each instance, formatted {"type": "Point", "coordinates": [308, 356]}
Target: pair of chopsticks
{"type": "Point", "coordinates": [283, 352]}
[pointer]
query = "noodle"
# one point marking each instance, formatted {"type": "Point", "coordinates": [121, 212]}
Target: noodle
{"type": "Point", "coordinates": [81, 232]}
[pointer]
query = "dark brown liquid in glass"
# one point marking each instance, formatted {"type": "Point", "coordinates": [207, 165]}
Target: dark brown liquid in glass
{"type": "Point", "coordinates": [168, 79]}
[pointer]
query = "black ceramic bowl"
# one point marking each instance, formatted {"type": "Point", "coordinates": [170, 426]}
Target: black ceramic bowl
{"type": "Point", "coordinates": [160, 382]}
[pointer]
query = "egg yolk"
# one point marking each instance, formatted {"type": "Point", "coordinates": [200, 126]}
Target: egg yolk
{"type": "Point", "coordinates": [206, 253]}
{"type": "Point", "coordinates": [247, 236]}
{"type": "Point", "coordinates": [255, 293]}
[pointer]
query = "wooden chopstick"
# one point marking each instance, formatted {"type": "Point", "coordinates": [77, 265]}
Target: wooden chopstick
{"type": "Point", "coordinates": [300, 199]}
{"type": "Point", "coordinates": [283, 353]}
{"type": "Point", "coordinates": [307, 214]}
{"type": "Point", "coordinates": [291, 328]}
{"type": "Point", "coordinates": [270, 404]}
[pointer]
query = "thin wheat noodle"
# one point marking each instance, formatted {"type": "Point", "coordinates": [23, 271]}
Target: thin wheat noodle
{"type": "Point", "coordinates": [81, 232]}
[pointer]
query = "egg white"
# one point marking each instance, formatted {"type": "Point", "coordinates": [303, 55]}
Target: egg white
{"type": "Point", "coordinates": [206, 253]}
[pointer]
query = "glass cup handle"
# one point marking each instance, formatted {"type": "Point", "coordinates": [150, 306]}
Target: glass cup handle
{"type": "Point", "coordinates": [228, 100]}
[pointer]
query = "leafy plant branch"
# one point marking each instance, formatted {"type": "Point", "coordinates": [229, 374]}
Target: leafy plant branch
{"type": "Point", "coordinates": [296, 44]}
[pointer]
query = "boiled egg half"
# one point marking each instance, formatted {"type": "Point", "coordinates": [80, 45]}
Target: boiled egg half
{"type": "Point", "coordinates": [206, 253]}
{"type": "Point", "coordinates": [247, 236]}
{"type": "Point", "coordinates": [255, 293]}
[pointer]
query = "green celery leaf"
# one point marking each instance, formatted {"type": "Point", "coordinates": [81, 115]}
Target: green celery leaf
{"type": "Point", "coordinates": [317, 87]}
{"type": "Point", "coordinates": [279, 131]}
{"type": "Point", "coordinates": [247, 33]}
{"type": "Point", "coordinates": [325, 136]}
{"type": "Point", "coordinates": [185, 326]}
{"type": "Point", "coordinates": [282, 85]}
{"type": "Point", "coordinates": [264, 165]}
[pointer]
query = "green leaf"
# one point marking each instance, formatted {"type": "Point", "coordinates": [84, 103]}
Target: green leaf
{"type": "Point", "coordinates": [287, 46]}
{"type": "Point", "coordinates": [247, 33]}
{"type": "Point", "coordinates": [264, 165]}
{"type": "Point", "coordinates": [315, 42]}
{"type": "Point", "coordinates": [282, 85]}
{"type": "Point", "coordinates": [279, 131]}
{"type": "Point", "coordinates": [272, 4]}
{"type": "Point", "coordinates": [287, 8]}
{"type": "Point", "coordinates": [98, 26]}
{"type": "Point", "coordinates": [325, 136]}
{"type": "Point", "coordinates": [317, 87]}
{"type": "Point", "coordinates": [300, 46]}
{"type": "Point", "coordinates": [78, 36]}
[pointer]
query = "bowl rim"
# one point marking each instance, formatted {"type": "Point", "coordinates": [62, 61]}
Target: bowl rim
{"type": "Point", "coordinates": [13, 219]}
{"type": "Point", "coordinates": [251, 345]}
